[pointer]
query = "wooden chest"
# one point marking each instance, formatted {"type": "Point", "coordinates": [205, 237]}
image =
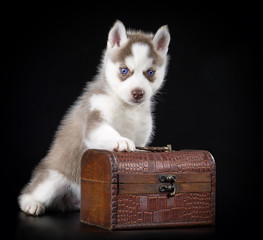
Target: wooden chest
{"type": "Point", "coordinates": [125, 190]}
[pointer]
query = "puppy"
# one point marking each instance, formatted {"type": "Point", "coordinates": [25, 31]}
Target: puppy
{"type": "Point", "coordinates": [113, 113]}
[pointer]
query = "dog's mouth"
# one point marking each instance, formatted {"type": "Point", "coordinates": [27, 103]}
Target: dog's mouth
{"type": "Point", "coordinates": [137, 101]}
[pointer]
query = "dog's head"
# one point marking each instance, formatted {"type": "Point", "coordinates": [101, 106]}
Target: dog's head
{"type": "Point", "coordinates": [135, 62]}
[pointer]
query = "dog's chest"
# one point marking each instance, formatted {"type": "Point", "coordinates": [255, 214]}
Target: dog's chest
{"type": "Point", "coordinates": [133, 123]}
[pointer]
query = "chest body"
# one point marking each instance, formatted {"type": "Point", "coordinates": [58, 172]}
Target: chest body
{"type": "Point", "coordinates": [141, 189]}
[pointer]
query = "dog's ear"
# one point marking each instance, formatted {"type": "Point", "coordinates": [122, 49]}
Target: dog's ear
{"type": "Point", "coordinates": [161, 40]}
{"type": "Point", "coordinates": [117, 35]}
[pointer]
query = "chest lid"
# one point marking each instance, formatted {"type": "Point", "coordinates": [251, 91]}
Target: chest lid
{"type": "Point", "coordinates": [151, 172]}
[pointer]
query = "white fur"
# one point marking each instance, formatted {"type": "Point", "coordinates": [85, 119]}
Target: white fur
{"type": "Point", "coordinates": [121, 120]}
{"type": "Point", "coordinates": [139, 60]}
{"type": "Point", "coordinates": [106, 137]}
{"type": "Point", "coordinates": [119, 31]}
{"type": "Point", "coordinates": [138, 63]}
{"type": "Point", "coordinates": [106, 116]}
{"type": "Point", "coordinates": [103, 103]}
{"type": "Point", "coordinates": [30, 206]}
{"type": "Point", "coordinates": [162, 34]}
{"type": "Point", "coordinates": [48, 193]}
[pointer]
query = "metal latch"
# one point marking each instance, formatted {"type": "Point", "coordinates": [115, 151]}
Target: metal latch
{"type": "Point", "coordinates": [167, 148]}
{"type": "Point", "coordinates": [171, 188]}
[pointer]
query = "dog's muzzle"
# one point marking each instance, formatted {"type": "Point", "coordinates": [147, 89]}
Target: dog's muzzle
{"type": "Point", "coordinates": [137, 94]}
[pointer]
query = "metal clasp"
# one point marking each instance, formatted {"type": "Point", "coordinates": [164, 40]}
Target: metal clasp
{"type": "Point", "coordinates": [171, 188]}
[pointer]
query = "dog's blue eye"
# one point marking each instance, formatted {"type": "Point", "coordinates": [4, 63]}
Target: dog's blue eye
{"type": "Point", "coordinates": [150, 72]}
{"type": "Point", "coordinates": [124, 70]}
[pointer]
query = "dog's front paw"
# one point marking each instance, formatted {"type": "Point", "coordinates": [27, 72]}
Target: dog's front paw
{"type": "Point", "coordinates": [124, 144]}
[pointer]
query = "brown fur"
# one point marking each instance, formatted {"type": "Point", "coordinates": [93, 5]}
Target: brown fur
{"type": "Point", "coordinates": [137, 37]}
{"type": "Point", "coordinates": [150, 78]}
{"type": "Point", "coordinates": [72, 136]}
{"type": "Point", "coordinates": [123, 77]}
{"type": "Point", "coordinates": [68, 146]}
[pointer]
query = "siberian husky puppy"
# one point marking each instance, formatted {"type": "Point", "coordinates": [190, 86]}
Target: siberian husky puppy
{"type": "Point", "coordinates": [114, 113]}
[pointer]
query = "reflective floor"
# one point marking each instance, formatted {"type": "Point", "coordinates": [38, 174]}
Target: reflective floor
{"type": "Point", "coordinates": [67, 226]}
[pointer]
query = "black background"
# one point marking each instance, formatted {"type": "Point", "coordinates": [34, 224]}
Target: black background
{"type": "Point", "coordinates": [211, 99]}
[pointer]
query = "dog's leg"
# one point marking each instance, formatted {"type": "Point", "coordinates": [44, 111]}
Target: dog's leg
{"type": "Point", "coordinates": [46, 189]}
{"type": "Point", "coordinates": [106, 137]}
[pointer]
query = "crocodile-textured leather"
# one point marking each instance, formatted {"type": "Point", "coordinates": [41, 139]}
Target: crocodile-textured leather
{"type": "Point", "coordinates": [156, 208]}
{"type": "Point", "coordinates": [180, 162]}
{"type": "Point", "coordinates": [159, 210]}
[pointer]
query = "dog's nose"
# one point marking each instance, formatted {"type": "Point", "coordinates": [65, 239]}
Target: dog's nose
{"type": "Point", "coordinates": [137, 93]}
